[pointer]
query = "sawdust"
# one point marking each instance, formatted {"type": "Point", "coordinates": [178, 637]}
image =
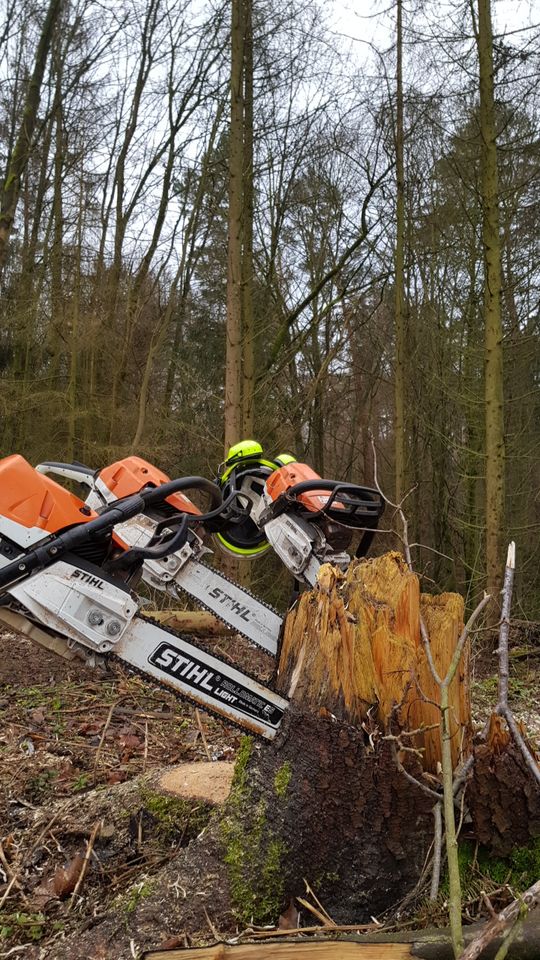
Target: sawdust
{"type": "Point", "coordinates": [204, 781]}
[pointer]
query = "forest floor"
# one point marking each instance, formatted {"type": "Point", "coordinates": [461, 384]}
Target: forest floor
{"type": "Point", "coordinates": [70, 735]}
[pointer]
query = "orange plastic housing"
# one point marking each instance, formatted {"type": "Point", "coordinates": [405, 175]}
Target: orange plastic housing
{"type": "Point", "coordinates": [289, 475]}
{"type": "Point", "coordinates": [34, 500]}
{"type": "Point", "coordinates": [130, 475]}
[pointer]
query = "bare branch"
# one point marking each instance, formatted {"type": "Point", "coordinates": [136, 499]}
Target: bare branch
{"type": "Point", "coordinates": [504, 627]}
{"type": "Point", "coordinates": [502, 921]}
{"type": "Point", "coordinates": [437, 852]}
{"type": "Point", "coordinates": [503, 708]}
{"type": "Point", "coordinates": [520, 741]}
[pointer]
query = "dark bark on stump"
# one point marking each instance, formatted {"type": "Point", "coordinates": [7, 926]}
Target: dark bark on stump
{"type": "Point", "coordinates": [502, 795]}
{"type": "Point", "coordinates": [322, 805]}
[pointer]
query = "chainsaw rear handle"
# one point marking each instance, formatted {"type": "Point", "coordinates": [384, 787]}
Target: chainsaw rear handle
{"type": "Point", "coordinates": [115, 513]}
{"type": "Point", "coordinates": [155, 495]}
{"type": "Point", "coordinates": [55, 546]}
{"type": "Point", "coordinates": [87, 476]}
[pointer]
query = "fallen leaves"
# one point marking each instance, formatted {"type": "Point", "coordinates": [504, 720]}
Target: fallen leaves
{"type": "Point", "coordinates": [52, 734]}
{"type": "Point", "coordinates": [65, 878]}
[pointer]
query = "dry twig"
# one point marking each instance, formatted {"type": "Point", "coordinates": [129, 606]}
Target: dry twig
{"type": "Point", "coordinates": [336, 928]}
{"type": "Point", "coordinates": [27, 855]}
{"type": "Point", "coordinates": [213, 930]}
{"type": "Point", "coordinates": [86, 860]}
{"type": "Point", "coordinates": [103, 734]}
{"type": "Point", "coordinates": [201, 731]}
{"type": "Point", "coordinates": [312, 893]}
{"type": "Point", "coordinates": [437, 851]}
{"type": "Point", "coordinates": [9, 873]}
{"type": "Point", "coordinates": [502, 922]}
{"type": "Point", "coordinates": [145, 754]}
{"type": "Point", "coordinates": [503, 708]}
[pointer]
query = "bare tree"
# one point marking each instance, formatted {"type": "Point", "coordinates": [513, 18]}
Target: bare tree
{"type": "Point", "coordinates": [494, 399]}
{"type": "Point", "coordinates": [24, 142]}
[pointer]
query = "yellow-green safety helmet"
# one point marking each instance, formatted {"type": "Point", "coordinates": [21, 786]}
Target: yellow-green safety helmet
{"type": "Point", "coordinates": [243, 539]}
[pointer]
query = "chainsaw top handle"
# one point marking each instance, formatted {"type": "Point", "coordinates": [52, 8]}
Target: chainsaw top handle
{"type": "Point", "coordinates": [348, 503]}
{"type": "Point", "coordinates": [173, 540]}
{"type": "Point", "coordinates": [155, 495]}
{"type": "Point", "coordinates": [118, 512]}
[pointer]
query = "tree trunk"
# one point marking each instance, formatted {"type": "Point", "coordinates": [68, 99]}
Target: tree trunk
{"type": "Point", "coordinates": [399, 281]}
{"type": "Point", "coordinates": [326, 800]}
{"type": "Point", "coordinates": [248, 319]}
{"type": "Point", "coordinates": [494, 414]}
{"type": "Point", "coordinates": [233, 359]}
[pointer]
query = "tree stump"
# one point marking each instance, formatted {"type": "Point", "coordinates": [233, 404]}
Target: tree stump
{"type": "Point", "coordinates": [325, 802]}
{"type": "Point", "coordinates": [502, 795]}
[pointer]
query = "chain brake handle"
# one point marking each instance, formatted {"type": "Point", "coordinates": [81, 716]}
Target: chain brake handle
{"type": "Point", "coordinates": [173, 539]}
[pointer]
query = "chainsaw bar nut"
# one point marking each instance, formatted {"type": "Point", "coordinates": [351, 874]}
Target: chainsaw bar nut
{"type": "Point", "coordinates": [95, 618]}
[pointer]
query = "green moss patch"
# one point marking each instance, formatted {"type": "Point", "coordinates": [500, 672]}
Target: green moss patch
{"type": "Point", "coordinates": [176, 820]}
{"type": "Point", "coordinates": [518, 871]}
{"type": "Point", "coordinates": [282, 779]}
{"type": "Point", "coordinates": [254, 857]}
{"type": "Point", "coordinates": [129, 901]}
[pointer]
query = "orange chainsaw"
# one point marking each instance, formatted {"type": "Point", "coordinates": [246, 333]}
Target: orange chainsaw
{"type": "Point", "coordinates": [67, 569]}
{"type": "Point", "coordinates": [276, 503]}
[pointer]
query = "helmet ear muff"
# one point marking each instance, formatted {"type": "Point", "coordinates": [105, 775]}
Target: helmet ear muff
{"type": "Point", "coordinates": [246, 543]}
{"type": "Point", "coordinates": [283, 459]}
{"type": "Point", "coordinates": [241, 537]}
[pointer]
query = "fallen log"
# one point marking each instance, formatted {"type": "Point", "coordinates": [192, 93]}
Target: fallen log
{"type": "Point", "coordinates": [326, 950]}
{"type": "Point", "coordinates": [430, 944]}
{"type": "Point", "coordinates": [505, 924]}
{"type": "Point", "coordinates": [197, 622]}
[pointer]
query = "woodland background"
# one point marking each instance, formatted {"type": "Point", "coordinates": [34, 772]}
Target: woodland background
{"type": "Point", "coordinates": [361, 304]}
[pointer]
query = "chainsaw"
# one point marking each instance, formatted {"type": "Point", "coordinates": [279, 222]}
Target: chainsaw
{"type": "Point", "coordinates": [277, 503]}
{"type": "Point", "coordinates": [66, 576]}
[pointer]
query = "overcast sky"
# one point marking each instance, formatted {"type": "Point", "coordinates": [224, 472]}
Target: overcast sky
{"type": "Point", "coordinates": [372, 20]}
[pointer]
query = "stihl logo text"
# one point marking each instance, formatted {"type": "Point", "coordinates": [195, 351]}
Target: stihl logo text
{"type": "Point", "coordinates": [87, 578]}
{"type": "Point", "coordinates": [235, 607]}
{"type": "Point", "coordinates": [177, 664]}
{"type": "Point", "coordinates": [218, 688]}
